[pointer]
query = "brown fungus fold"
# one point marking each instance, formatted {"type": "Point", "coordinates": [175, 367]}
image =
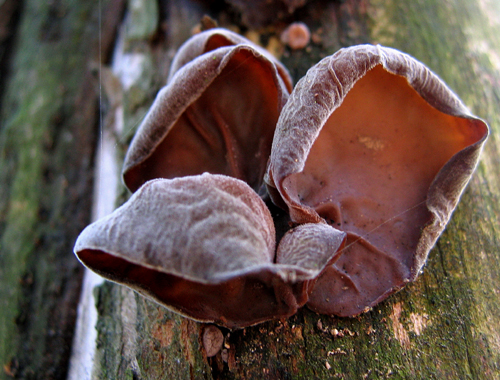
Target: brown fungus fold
{"type": "Point", "coordinates": [217, 113]}
{"type": "Point", "coordinates": [215, 38]}
{"type": "Point", "coordinates": [204, 246]}
{"type": "Point", "coordinates": [372, 143]}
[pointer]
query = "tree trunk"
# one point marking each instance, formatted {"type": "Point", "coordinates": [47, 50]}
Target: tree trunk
{"type": "Point", "coordinates": [48, 128]}
{"type": "Point", "coordinates": [443, 326]}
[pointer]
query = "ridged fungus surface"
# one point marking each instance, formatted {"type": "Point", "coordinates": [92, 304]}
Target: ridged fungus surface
{"type": "Point", "coordinates": [204, 246]}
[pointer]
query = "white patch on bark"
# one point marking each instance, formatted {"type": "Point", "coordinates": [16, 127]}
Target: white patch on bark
{"type": "Point", "coordinates": [107, 180]}
{"type": "Point", "coordinates": [419, 322]}
{"type": "Point", "coordinates": [399, 330]}
{"type": "Point", "coordinates": [106, 184]}
{"type": "Point", "coordinates": [129, 334]}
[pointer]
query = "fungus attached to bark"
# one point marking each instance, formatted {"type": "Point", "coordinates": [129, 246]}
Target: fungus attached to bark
{"type": "Point", "coordinates": [204, 246]}
{"type": "Point", "coordinates": [296, 35]}
{"type": "Point", "coordinates": [217, 113]}
{"type": "Point", "coordinates": [212, 340]}
{"type": "Point", "coordinates": [372, 143]}
{"type": "Point", "coordinates": [369, 157]}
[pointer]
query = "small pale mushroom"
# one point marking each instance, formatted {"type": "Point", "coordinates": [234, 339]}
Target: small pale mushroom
{"type": "Point", "coordinates": [217, 113]}
{"type": "Point", "coordinates": [212, 340]}
{"type": "Point", "coordinates": [296, 35]}
{"type": "Point", "coordinates": [373, 143]}
{"type": "Point", "coordinates": [204, 246]}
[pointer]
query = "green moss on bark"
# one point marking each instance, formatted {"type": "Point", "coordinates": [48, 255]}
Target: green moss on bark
{"type": "Point", "coordinates": [47, 135]}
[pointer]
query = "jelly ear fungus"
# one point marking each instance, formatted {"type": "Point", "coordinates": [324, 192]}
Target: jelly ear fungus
{"type": "Point", "coordinates": [217, 113]}
{"type": "Point", "coordinates": [370, 155]}
{"type": "Point", "coordinates": [373, 143]}
{"type": "Point", "coordinates": [204, 246]}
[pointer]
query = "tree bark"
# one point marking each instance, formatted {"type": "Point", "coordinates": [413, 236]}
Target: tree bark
{"type": "Point", "coordinates": [443, 326]}
{"type": "Point", "coordinates": [49, 120]}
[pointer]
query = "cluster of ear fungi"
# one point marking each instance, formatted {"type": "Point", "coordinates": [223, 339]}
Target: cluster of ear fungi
{"type": "Point", "coordinates": [367, 156]}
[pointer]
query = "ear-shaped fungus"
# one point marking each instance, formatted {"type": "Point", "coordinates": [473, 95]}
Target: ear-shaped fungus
{"type": "Point", "coordinates": [204, 246]}
{"type": "Point", "coordinates": [217, 114]}
{"type": "Point", "coordinates": [374, 144]}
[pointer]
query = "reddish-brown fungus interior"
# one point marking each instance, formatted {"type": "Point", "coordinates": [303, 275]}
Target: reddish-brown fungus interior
{"type": "Point", "coordinates": [228, 130]}
{"type": "Point", "coordinates": [368, 173]}
{"type": "Point", "coordinates": [376, 157]}
{"type": "Point", "coordinates": [236, 303]}
{"type": "Point", "coordinates": [216, 41]}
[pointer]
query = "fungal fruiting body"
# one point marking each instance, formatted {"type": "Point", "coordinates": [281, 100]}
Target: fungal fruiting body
{"type": "Point", "coordinates": [296, 35]}
{"type": "Point", "coordinates": [212, 340]}
{"type": "Point", "coordinates": [217, 114]}
{"type": "Point", "coordinates": [374, 144]}
{"type": "Point", "coordinates": [204, 246]}
{"type": "Point", "coordinates": [368, 157]}
{"type": "Point", "coordinates": [215, 38]}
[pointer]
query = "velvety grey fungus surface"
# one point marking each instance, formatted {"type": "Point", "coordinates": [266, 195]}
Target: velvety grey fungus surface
{"type": "Point", "coordinates": [215, 38]}
{"type": "Point", "coordinates": [204, 246]}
